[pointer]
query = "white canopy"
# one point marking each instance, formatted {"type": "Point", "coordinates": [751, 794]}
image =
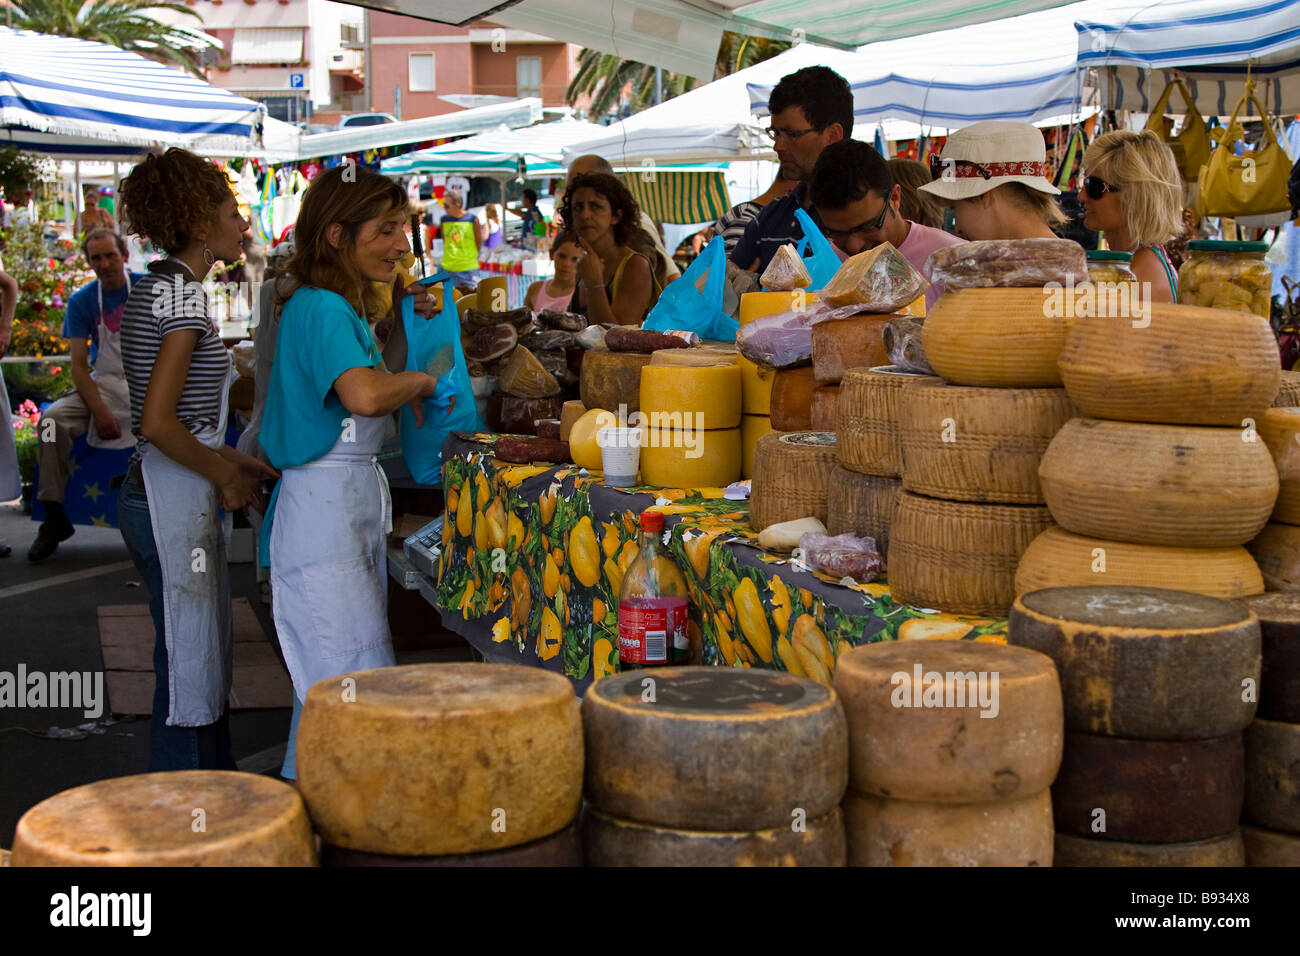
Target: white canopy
{"type": "Point", "coordinates": [499, 153]}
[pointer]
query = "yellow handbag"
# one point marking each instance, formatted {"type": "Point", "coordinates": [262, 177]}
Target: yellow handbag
{"type": "Point", "coordinates": [1254, 184]}
{"type": "Point", "coordinates": [1191, 147]}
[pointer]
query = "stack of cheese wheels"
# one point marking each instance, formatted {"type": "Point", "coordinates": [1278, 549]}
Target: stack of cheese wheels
{"type": "Point", "coordinates": [1277, 549]}
{"type": "Point", "coordinates": [1272, 812]}
{"type": "Point", "coordinates": [1165, 479]}
{"type": "Point", "coordinates": [705, 766]}
{"type": "Point", "coordinates": [839, 345]}
{"type": "Point", "coordinates": [757, 380]}
{"type": "Point", "coordinates": [792, 472]}
{"type": "Point", "coordinates": [477, 761]}
{"type": "Point", "coordinates": [1154, 711]}
{"type": "Point", "coordinates": [952, 748]}
{"type": "Point", "coordinates": [864, 490]}
{"type": "Point", "coordinates": [182, 818]}
{"type": "Point", "coordinates": [690, 419]}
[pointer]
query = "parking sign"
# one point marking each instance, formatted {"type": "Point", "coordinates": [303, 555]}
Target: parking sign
{"type": "Point", "coordinates": [296, 81]}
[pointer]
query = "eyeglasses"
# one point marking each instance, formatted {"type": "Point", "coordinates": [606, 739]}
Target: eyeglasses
{"type": "Point", "coordinates": [938, 164]}
{"type": "Point", "coordinates": [840, 235]}
{"type": "Point", "coordinates": [1096, 188]}
{"type": "Point", "coordinates": [791, 134]}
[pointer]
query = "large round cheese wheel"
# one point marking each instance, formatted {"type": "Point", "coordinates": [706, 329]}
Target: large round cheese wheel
{"type": "Point", "coordinates": [907, 702]}
{"type": "Point", "coordinates": [1144, 662]}
{"type": "Point", "coordinates": [755, 305]}
{"type": "Point", "coordinates": [1188, 366]}
{"type": "Point", "coordinates": [863, 505]}
{"type": "Point", "coordinates": [1273, 775]}
{"type": "Point", "coordinates": [957, 556]}
{"type": "Point", "coordinates": [612, 379]}
{"type": "Point", "coordinates": [791, 475]}
{"type": "Point", "coordinates": [752, 428]}
{"type": "Point", "coordinates": [1160, 484]}
{"type": "Point", "coordinates": [690, 458]}
{"type": "Point", "coordinates": [430, 759]}
{"type": "Point", "coordinates": [182, 818]}
{"type": "Point", "coordinates": [1279, 627]}
{"type": "Point", "coordinates": [1226, 850]}
{"type": "Point", "coordinates": [1288, 392]}
{"type": "Point", "coordinates": [698, 355]}
{"type": "Point", "coordinates": [792, 391]}
{"type": "Point", "coordinates": [570, 412]}
{"type": "Point", "coordinates": [1005, 338]}
{"type": "Point", "coordinates": [824, 411]}
{"type": "Point", "coordinates": [559, 849]}
{"type": "Point", "coordinates": [1057, 559]}
{"type": "Point", "coordinates": [1277, 553]}
{"type": "Point", "coordinates": [706, 396]}
{"type": "Point", "coordinates": [1150, 791]}
{"type": "Point", "coordinates": [841, 344]}
{"type": "Point", "coordinates": [867, 419]}
{"type": "Point", "coordinates": [884, 832]}
{"type": "Point", "coordinates": [755, 387]}
{"type": "Point", "coordinates": [1270, 848]}
{"type": "Point", "coordinates": [707, 748]}
{"type": "Point", "coordinates": [610, 841]}
{"type": "Point", "coordinates": [1280, 429]}
{"type": "Point", "coordinates": [977, 444]}
{"type": "Point", "coordinates": [583, 447]}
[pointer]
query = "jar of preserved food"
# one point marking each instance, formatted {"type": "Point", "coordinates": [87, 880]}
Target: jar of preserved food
{"type": "Point", "coordinates": [1227, 275]}
{"type": "Point", "coordinates": [1107, 266]}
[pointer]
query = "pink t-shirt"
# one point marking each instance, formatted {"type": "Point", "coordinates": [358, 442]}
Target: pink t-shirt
{"type": "Point", "coordinates": [916, 248]}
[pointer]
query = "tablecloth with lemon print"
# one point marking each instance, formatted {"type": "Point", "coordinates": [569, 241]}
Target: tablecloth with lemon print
{"type": "Point", "coordinates": [533, 556]}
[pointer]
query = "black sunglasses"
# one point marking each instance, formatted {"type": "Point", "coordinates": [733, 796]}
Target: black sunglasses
{"type": "Point", "coordinates": [938, 164]}
{"type": "Point", "coordinates": [862, 227]}
{"type": "Point", "coordinates": [1096, 188]}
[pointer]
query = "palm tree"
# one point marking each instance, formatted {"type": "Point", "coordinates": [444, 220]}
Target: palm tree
{"type": "Point", "coordinates": [615, 84]}
{"type": "Point", "coordinates": [120, 23]}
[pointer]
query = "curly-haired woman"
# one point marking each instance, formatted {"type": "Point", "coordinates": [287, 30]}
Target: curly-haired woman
{"type": "Point", "coordinates": [179, 373]}
{"type": "Point", "coordinates": [10, 480]}
{"type": "Point", "coordinates": [616, 284]}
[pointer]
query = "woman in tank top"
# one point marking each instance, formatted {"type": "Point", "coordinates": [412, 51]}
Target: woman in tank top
{"type": "Point", "coordinates": [616, 284]}
{"type": "Point", "coordinates": [556, 293]}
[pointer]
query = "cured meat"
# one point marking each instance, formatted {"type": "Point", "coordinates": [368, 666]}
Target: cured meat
{"type": "Point", "coordinates": [567, 321]}
{"type": "Point", "coordinates": [844, 555]}
{"type": "Point", "coordinates": [549, 428]}
{"type": "Point", "coordinates": [1008, 263]}
{"type": "Point", "coordinates": [557, 363]}
{"type": "Point", "coordinates": [510, 414]}
{"type": "Point", "coordinates": [623, 339]}
{"type": "Point", "coordinates": [517, 317]}
{"type": "Point", "coordinates": [546, 339]}
{"type": "Point", "coordinates": [525, 377]}
{"type": "Point", "coordinates": [592, 337]}
{"type": "Point", "coordinates": [491, 342]}
{"type": "Point", "coordinates": [521, 450]}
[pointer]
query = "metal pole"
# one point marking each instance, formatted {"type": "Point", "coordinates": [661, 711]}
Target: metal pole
{"type": "Point", "coordinates": [370, 69]}
{"type": "Point", "coordinates": [659, 85]}
{"type": "Point", "coordinates": [76, 175]}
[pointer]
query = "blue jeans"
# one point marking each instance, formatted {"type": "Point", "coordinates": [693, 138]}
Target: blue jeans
{"type": "Point", "coordinates": [170, 748]}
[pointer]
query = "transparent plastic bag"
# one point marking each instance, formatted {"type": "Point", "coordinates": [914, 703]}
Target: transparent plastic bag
{"type": "Point", "coordinates": [784, 339]}
{"type": "Point", "coordinates": [902, 338]}
{"type": "Point", "coordinates": [880, 280]}
{"type": "Point", "coordinates": [842, 556]}
{"type": "Point", "coordinates": [786, 272]}
{"type": "Point", "coordinates": [1008, 263]}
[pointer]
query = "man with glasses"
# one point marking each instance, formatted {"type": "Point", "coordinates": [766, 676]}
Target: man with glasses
{"type": "Point", "coordinates": [856, 202]}
{"type": "Point", "coordinates": [811, 109]}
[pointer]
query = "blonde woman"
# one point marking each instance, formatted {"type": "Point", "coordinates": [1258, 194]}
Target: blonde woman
{"type": "Point", "coordinates": [1132, 193]}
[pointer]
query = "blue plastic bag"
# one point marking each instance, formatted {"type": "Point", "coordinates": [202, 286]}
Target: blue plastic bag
{"type": "Point", "coordinates": [822, 262]}
{"type": "Point", "coordinates": [422, 447]}
{"type": "Point", "coordinates": [683, 307]}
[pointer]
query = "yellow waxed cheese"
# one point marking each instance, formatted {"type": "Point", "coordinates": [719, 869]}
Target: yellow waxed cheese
{"type": "Point", "coordinates": [752, 428]}
{"type": "Point", "coordinates": [1004, 338]}
{"type": "Point", "coordinates": [690, 457]}
{"type": "Point", "coordinates": [755, 305]}
{"type": "Point", "coordinates": [570, 412]}
{"type": "Point", "coordinates": [701, 397]}
{"type": "Point", "coordinates": [755, 386]}
{"type": "Point", "coordinates": [583, 448]}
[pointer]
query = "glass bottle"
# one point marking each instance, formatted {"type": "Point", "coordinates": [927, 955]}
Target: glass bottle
{"type": "Point", "coordinates": [652, 604]}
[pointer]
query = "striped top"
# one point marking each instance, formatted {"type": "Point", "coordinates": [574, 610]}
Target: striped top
{"type": "Point", "coordinates": [733, 222]}
{"type": "Point", "coordinates": [169, 300]}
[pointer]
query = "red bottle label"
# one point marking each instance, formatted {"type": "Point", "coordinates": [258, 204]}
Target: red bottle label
{"type": "Point", "coordinates": [652, 631]}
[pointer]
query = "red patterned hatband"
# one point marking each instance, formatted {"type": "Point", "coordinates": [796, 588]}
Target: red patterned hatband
{"type": "Point", "coordinates": [968, 170]}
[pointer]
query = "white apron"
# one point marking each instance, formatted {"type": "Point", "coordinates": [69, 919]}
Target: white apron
{"type": "Point", "coordinates": [190, 535]}
{"type": "Point", "coordinates": [329, 568]}
{"type": "Point", "coordinates": [110, 377]}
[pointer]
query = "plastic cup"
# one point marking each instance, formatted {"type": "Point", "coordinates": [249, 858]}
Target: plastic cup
{"type": "Point", "coordinates": [620, 455]}
{"type": "Point", "coordinates": [491, 294]}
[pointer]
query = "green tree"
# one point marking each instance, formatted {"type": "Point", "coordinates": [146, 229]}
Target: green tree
{"type": "Point", "coordinates": [125, 24]}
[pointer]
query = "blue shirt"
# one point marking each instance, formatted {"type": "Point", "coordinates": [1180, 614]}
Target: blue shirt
{"type": "Point", "coordinates": [81, 318]}
{"type": "Point", "coordinates": [772, 228]}
{"type": "Point", "coordinates": [321, 337]}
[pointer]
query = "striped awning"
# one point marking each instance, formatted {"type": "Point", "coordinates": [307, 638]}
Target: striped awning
{"type": "Point", "coordinates": [681, 195]}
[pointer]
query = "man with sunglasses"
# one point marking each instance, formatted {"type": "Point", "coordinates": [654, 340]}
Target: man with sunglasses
{"type": "Point", "coordinates": [811, 109]}
{"type": "Point", "coordinates": [856, 202]}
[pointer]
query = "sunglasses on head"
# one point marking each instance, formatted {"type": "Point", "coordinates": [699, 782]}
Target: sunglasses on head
{"type": "Point", "coordinates": [938, 164]}
{"type": "Point", "coordinates": [1096, 188]}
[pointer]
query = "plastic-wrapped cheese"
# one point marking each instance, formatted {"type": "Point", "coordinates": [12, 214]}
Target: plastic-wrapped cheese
{"type": "Point", "coordinates": [785, 272]}
{"type": "Point", "coordinates": [879, 278]}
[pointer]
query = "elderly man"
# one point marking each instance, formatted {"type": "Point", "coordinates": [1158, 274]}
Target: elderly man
{"type": "Point", "coordinates": [101, 399]}
{"type": "Point", "coordinates": [648, 238]}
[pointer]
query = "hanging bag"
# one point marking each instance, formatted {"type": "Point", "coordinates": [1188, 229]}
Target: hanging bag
{"type": "Point", "coordinates": [684, 308]}
{"type": "Point", "coordinates": [1253, 184]}
{"type": "Point", "coordinates": [822, 260]}
{"type": "Point", "coordinates": [1191, 147]}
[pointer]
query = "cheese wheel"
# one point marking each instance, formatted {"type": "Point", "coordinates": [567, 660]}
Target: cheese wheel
{"type": "Point", "coordinates": [559, 849]}
{"type": "Point", "coordinates": [1270, 848]}
{"type": "Point", "coordinates": [755, 387]}
{"type": "Point", "coordinates": [708, 748]}
{"type": "Point", "coordinates": [612, 379]}
{"type": "Point", "coordinates": [841, 344]}
{"type": "Point", "coordinates": [908, 701]}
{"type": "Point", "coordinates": [609, 841]}
{"type": "Point", "coordinates": [868, 437]}
{"type": "Point", "coordinates": [1226, 850]}
{"type": "Point", "coordinates": [977, 444]}
{"type": "Point", "coordinates": [1149, 791]}
{"type": "Point", "coordinates": [1279, 628]}
{"type": "Point", "coordinates": [752, 428]}
{"type": "Point", "coordinates": [1273, 775]}
{"type": "Point", "coordinates": [150, 820]}
{"type": "Point", "coordinates": [825, 408]}
{"type": "Point", "coordinates": [1277, 553]}
{"type": "Point", "coordinates": [1004, 338]}
{"type": "Point", "coordinates": [959, 557]}
{"type": "Point", "coordinates": [792, 390]}
{"type": "Point", "coordinates": [709, 395]}
{"type": "Point", "coordinates": [755, 305]}
{"type": "Point", "coordinates": [570, 412]}
{"type": "Point", "coordinates": [1158, 484]}
{"type": "Point", "coordinates": [791, 475]}
{"type": "Point", "coordinates": [1280, 430]}
{"type": "Point", "coordinates": [1189, 366]}
{"type": "Point", "coordinates": [583, 448]}
{"type": "Point", "coordinates": [884, 832]}
{"type": "Point", "coordinates": [1144, 662]}
{"type": "Point", "coordinates": [690, 458]}
{"type": "Point", "coordinates": [1058, 559]}
{"type": "Point", "coordinates": [431, 759]}
{"type": "Point", "coordinates": [693, 357]}
{"type": "Point", "coordinates": [863, 505]}
{"type": "Point", "coordinates": [1288, 393]}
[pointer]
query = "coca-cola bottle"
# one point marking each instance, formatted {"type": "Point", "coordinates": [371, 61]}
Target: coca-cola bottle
{"type": "Point", "coordinates": [652, 604]}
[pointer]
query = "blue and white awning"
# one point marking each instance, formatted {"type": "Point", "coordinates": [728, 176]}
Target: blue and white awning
{"type": "Point", "coordinates": [78, 99]}
{"type": "Point", "coordinates": [498, 154]}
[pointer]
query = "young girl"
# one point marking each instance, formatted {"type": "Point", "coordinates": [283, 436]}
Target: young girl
{"type": "Point", "coordinates": [616, 283]}
{"type": "Point", "coordinates": [556, 293]}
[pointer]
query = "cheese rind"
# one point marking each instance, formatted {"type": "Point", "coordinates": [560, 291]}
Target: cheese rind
{"type": "Point", "coordinates": [433, 759]}
{"type": "Point", "coordinates": [1226, 850]}
{"type": "Point", "coordinates": [559, 849]}
{"type": "Point", "coordinates": [610, 379]}
{"type": "Point", "coordinates": [690, 458]}
{"type": "Point", "coordinates": [791, 474]}
{"type": "Point", "coordinates": [950, 721]}
{"type": "Point", "coordinates": [884, 832]}
{"type": "Point", "coordinates": [1270, 848]}
{"type": "Point", "coordinates": [792, 391]}
{"type": "Point", "coordinates": [1279, 627]}
{"type": "Point", "coordinates": [825, 408]}
{"type": "Point", "coordinates": [841, 344]}
{"type": "Point", "coordinates": [1280, 430]}
{"type": "Point", "coordinates": [1002, 338]}
{"type": "Point", "coordinates": [752, 428]}
{"type": "Point", "coordinates": [1144, 662]}
{"type": "Point", "coordinates": [1288, 392]}
{"type": "Point", "coordinates": [755, 387]}
{"type": "Point", "coordinates": [714, 748]}
{"type": "Point", "coordinates": [867, 419]}
{"type": "Point", "coordinates": [609, 841]}
{"type": "Point", "coordinates": [755, 305]}
{"type": "Point", "coordinates": [149, 820]}
{"type": "Point", "coordinates": [1273, 775]}
{"type": "Point", "coordinates": [705, 396]}
{"type": "Point", "coordinates": [863, 505]}
{"type": "Point", "coordinates": [570, 412]}
{"type": "Point", "coordinates": [1277, 553]}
